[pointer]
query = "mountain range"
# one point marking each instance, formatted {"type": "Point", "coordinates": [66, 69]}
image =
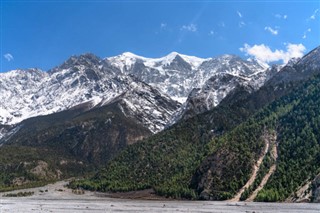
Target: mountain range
{"type": "Point", "coordinates": [184, 126]}
{"type": "Point", "coordinates": [87, 78]}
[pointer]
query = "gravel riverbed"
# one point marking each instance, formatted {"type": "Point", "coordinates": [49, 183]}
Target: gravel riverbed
{"type": "Point", "coordinates": [57, 198]}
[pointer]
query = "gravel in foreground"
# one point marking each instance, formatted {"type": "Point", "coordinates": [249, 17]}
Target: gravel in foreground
{"type": "Point", "coordinates": [57, 198]}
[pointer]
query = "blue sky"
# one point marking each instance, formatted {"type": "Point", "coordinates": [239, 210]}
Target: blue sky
{"type": "Point", "coordinates": [45, 33]}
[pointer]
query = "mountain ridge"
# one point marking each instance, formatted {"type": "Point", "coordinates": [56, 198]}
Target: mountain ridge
{"type": "Point", "coordinates": [32, 92]}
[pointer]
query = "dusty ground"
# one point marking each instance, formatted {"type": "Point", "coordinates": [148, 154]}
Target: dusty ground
{"type": "Point", "coordinates": [57, 198]}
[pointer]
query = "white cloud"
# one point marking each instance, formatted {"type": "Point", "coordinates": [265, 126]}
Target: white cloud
{"type": "Point", "coordinates": [163, 25]}
{"type": "Point", "coordinates": [264, 54]}
{"type": "Point", "coordinates": [8, 56]}
{"type": "Point", "coordinates": [190, 27]}
{"type": "Point", "coordinates": [305, 33]}
{"type": "Point", "coordinates": [242, 24]}
{"type": "Point", "coordinates": [211, 33]}
{"type": "Point", "coordinates": [313, 16]}
{"type": "Point", "coordinates": [279, 16]}
{"type": "Point", "coordinates": [272, 31]}
{"type": "Point", "coordinates": [239, 14]}
{"type": "Point", "coordinates": [304, 36]}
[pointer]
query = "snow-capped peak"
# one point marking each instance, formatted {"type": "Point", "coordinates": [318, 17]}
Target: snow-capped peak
{"type": "Point", "coordinates": [125, 61]}
{"type": "Point", "coordinates": [166, 60]}
{"type": "Point", "coordinates": [195, 62]}
{"type": "Point", "coordinates": [131, 55]}
{"type": "Point", "coordinates": [88, 79]}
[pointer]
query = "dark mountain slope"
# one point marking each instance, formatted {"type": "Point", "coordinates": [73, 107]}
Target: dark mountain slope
{"type": "Point", "coordinates": [68, 143]}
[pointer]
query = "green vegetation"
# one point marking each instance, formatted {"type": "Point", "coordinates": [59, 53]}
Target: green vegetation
{"type": "Point", "coordinates": [166, 161]}
{"type": "Point", "coordinates": [228, 167]}
{"type": "Point", "coordinates": [295, 118]}
{"type": "Point", "coordinates": [299, 148]}
{"type": "Point", "coordinates": [23, 167]}
{"type": "Point", "coordinates": [183, 162]}
{"type": "Point", "coordinates": [157, 165]}
{"type": "Point", "coordinates": [19, 194]}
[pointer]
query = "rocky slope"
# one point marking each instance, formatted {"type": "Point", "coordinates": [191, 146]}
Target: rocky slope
{"type": "Point", "coordinates": [30, 93]}
{"type": "Point", "coordinates": [203, 83]}
{"type": "Point", "coordinates": [173, 74]}
{"type": "Point", "coordinates": [177, 74]}
{"type": "Point", "coordinates": [217, 87]}
{"type": "Point", "coordinates": [84, 78]}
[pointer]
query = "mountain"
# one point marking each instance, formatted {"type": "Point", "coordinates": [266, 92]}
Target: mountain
{"type": "Point", "coordinates": [92, 127]}
{"type": "Point", "coordinates": [66, 144]}
{"type": "Point", "coordinates": [73, 119]}
{"type": "Point", "coordinates": [84, 78]}
{"type": "Point", "coordinates": [177, 74]}
{"type": "Point", "coordinates": [202, 83]}
{"type": "Point", "coordinates": [85, 111]}
{"type": "Point", "coordinates": [85, 132]}
{"type": "Point", "coordinates": [172, 74]}
{"type": "Point", "coordinates": [268, 137]}
{"type": "Point", "coordinates": [30, 93]}
{"type": "Point", "coordinates": [217, 87]}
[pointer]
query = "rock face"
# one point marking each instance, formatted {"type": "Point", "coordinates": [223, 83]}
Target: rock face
{"type": "Point", "coordinates": [198, 83]}
{"type": "Point", "coordinates": [173, 74]}
{"type": "Point", "coordinates": [214, 90]}
{"type": "Point", "coordinates": [177, 74]}
{"type": "Point", "coordinates": [240, 73]}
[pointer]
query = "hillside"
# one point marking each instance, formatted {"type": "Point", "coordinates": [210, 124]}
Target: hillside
{"type": "Point", "coordinates": [65, 144]}
{"type": "Point", "coordinates": [294, 119]}
{"type": "Point", "coordinates": [211, 156]}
